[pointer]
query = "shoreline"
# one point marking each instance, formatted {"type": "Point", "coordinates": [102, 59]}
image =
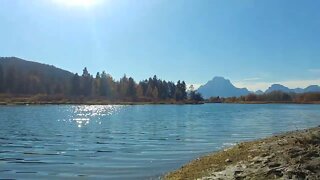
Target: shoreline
{"type": "Point", "coordinates": [294, 154]}
{"type": "Point", "coordinates": [62, 100]}
{"type": "Point", "coordinates": [93, 102]}
{"type": "Point", "coordinates": [265, 102]}
{"type": "Point", "coordinates": [97, 103]}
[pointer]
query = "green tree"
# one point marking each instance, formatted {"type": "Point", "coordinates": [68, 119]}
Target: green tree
{"type": "Point", "coordinates": [183, 89]}
{"type": "Point", "coordinates": [123, 86]}
{"type": "Point", "coordinates": [131, 92]}
{"type": "Point", "coordinates": [96, 84]}
{"type": "Point", "coordinates": [103, 84]}
{"type": "Point", "coordinates": [171, 90]}
{"type": "Point", "coordinates": [181, 93]}
{"type": "Point", "coordinates": [75, 85]}
{"type": "Point", "coordinates": [195, 96]}
{"type": "Point", "coordinates": [163, 90]}
{"type": "Point", "coordinates": [86, 83]}
{"type": "Point", "coordinates": [144, 86]}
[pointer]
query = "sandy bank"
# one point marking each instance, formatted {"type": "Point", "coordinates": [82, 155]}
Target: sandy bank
{"type": "Point", "coordinates": [293, 155]}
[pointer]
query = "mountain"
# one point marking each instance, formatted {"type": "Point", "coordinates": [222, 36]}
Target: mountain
{"type": "Point", "coordinates": [258, 92]}
{"type": "Point", "coordinates": [298, 90]}
{"type": "Point", "coordinates": [279, 87]}
{"type": "Point", "coordinates": [312, 88]}
{"type": "Point", "coordinates": [221, 87]}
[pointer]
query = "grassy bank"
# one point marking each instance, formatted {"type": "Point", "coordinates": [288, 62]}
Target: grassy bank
{"type": "Point", "coordinates": [293, 155]}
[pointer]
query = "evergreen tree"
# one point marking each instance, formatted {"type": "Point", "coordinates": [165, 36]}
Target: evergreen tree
{"type": "Point", "coordinates": [183, 90]}
{"type": "Point", "coordinates": [131, 92]}
{"type": "Point", "coordinates": [75, 85]}
{"type": "Point", "coordinates": [111, 87]}
{"type": "Point", "coordinates": [193, 95]}
{"type": "Point", "coordinates": [86, 83]}
{"type": "Point", "coordinates": [171, 90]}
{"type": "Point", "coordinates": [181, 93]}
{"type": "Point", "coordinates": [164, 90]}
{"type": "Point", "coordinates": [123, 86]}
{"type": "Point", "coordinates": [103, 84]}
{"type": "Point", "coordinates": [96, 85]}
{"type": "Point", "coordinates": [144, 86]}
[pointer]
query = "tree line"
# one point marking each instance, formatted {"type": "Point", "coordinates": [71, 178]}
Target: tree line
{"type": "Point", "coordinates": [100, 86]}
{"type": "Point", "coordinates": [275, 96]}
{"type": "Point", "coordinates": [103, 85]}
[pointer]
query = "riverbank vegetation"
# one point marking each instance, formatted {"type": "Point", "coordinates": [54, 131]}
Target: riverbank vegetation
{"type": "Point", "coordinates": [273, 97]}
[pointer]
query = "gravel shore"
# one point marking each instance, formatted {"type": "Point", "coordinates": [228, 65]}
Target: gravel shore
{"type": "Point", "coordinates": [293, 155]}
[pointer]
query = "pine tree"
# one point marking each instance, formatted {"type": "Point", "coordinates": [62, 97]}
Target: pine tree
{"type": "Point", "coordinates": [103, 84]}
{"type": "Point", "coordinates": [123, 86]}
{"type": "Point", "coordinates": [75, 85]}
{"type": "Point", "coordinates": [96, 85]}
{"type": "Point", "coordinates": [171, 90]}
{"type": "Point", "coordinates": [183, 90]}
{"type": "Point", "coordinates": [86, 83]}
{"type": "Point", "coordinates": [131, 92]}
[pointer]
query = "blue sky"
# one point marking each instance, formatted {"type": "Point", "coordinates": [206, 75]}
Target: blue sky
{"type": "Point", "coordinates": [251, 42]}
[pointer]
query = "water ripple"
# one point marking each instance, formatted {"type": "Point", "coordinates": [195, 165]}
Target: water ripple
{"type": "Point", "coordinates": [131, 142]}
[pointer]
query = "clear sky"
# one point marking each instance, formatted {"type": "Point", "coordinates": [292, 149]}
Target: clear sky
{"type": "Point", "coordinates": [251, 42]}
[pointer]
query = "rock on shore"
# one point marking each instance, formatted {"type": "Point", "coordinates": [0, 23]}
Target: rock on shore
{"type": "Point", "coordinates": [293, 155]}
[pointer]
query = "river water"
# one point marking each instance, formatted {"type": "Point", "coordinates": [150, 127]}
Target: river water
{"type": "Point", "coordinates": [131, 142]}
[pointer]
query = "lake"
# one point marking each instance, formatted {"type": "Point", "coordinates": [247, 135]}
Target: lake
{"type": "Point", "coordinates": [131, 142]}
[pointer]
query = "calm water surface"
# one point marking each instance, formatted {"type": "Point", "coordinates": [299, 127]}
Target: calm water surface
{"type": "Point", "coordinates": [131, 142]}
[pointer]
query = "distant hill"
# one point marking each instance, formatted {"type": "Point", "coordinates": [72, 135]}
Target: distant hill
{"type": "Point", "coordinates": [24, 67]}
{"type": "Point", "coordinates": [19, 76]}
{"type": "Point", "coordinates": [279, 87]}
{"type": "Point", "coordinates": [221, 87]}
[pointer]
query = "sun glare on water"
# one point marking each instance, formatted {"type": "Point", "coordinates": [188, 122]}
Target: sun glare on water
{"type": "Point", "coordinates": [78, 3]}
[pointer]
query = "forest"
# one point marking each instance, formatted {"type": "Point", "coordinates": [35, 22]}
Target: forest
{"type": "Point", "coordinates": [85, 87]}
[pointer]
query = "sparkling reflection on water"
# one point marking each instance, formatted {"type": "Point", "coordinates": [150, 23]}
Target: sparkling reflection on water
{"type": "Point", "coordinates": [83, 114]}
{"type": "Point", "coordinates": [131, 142]}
